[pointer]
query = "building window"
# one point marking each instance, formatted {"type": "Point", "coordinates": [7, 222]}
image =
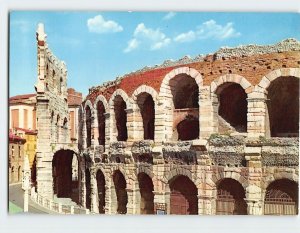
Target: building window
{"type": "Point", "coordinates": [19, 151]}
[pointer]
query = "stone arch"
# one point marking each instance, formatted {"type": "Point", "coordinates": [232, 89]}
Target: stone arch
{"type": "Point", "coordinates": [123, 94]}
{"type": "Point", "coordinates": [103, 100]}
{"type": "Point", "coordinates": [271, 76]}
{"type": "Point", "coordinates": [182, 70]}
{"type": "Point", "coordinates": [104, 174]}
{"type": "Point", "coordinates": [147, 89]}
{"type": "Point", "coordinates": [229, 94]}
{"type": "Point", "coordinates": [101, 109]}
{"type": "Point", "coordinates": [230, 197]}
{"type": "Point", "coordinates": [279, 176]}
{"type": "Point", "coordinates": [172, 107]}
{"type": "Point", "coordinates": [230, 78]}
{"type": "Point", "coordinates": [232, 175]}
{"type": "Point", "coordinates": [119, 104]}
{"type": "Point", "coordinates": [280, 89]}
{"type": "Point", "coordinates": [62, 174]}
{"type": "Point", "coordinates": [144, 106]}
{"type": "Point", "coordinates": [120, 195]}
{"type": "Point", "coordinates": [281, 197]}
{"type": "Point", "coordinates": [178, 172]}
{"type": "Point", "coordinates": [146, 170]}
{"type": "Point", "coordinates": [89, 103]}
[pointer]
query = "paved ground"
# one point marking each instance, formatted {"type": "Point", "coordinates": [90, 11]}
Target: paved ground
{"type": "Point", "coordinates": [16, 199]}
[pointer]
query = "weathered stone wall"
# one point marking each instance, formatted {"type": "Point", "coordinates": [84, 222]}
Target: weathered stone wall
{"type": "Point", "coordinates": [52, 111]}
{"type": "Point", "coordinates": [250, 158]}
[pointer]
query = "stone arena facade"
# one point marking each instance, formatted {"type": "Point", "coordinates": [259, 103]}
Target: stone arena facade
{"type": "Point", "coordinates": [217, 134]}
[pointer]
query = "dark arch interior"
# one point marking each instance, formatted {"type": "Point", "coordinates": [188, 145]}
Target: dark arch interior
{"type": "Point", "coordinates": [88, 120]}
{"type": "Point", "coordinates": [147, 196]}
{"type": "Point", "coordinates": [88, 188]}
{"type": "Point", "coordinates": [101, 191]}
{"type": "Point", "coordinates": [146, 105]}
{"type": "Point", "coordinates": [63, 184]}
{"type": "Point", "coordinates": [283, 107]}
{"type": "Point", "coordinates": [185, 92]}
{"type": "Point", "coordinates": [283, 189]}
{"type": "Point", "coordinates": [183, 196]}
{"type": "Point", "coordinates": [101, 122]}
{"type": "Point", "coordinates": [233, 105]}
{"type": "Point", "coordinates": [188, 129]}
{"type": "Point", "coordinates": [121, 118]}
{"type": "Point", "coordinates": [230, 198]}
{"type": "Point", "coordinates": [120, 187]}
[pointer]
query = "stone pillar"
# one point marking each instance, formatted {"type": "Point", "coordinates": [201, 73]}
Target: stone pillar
{"type": "Point", "coordinates": [83, 133]}
{"type": "Point", "coordinates": [130, 124]}
{"type": "Point", "coordinates": [161, 202]}
{"type": "Point", "coordinates": [107, 130]}
{"type": "Point", "coordinates": [253, 191]}
{"type": "Point", "coordinates": [257, 116]}
{"type": "Point", "coordinates": [137, 125]}
{"type": "Point", "coordinates": [26, 182]}
{"type": "Point", "coordinates": [206, 121]}
{"type": "Point", "coordinates": [95, 130]}
{"type": "Point", "coordinates": [94, 194]}
{"type": "Point", "coordinates": [160, 120]}
{"type": "Point", "coordinates": [112, 123]}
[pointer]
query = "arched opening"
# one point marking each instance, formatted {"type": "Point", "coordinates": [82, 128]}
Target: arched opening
{"type": "Point", "coordinates": [62, 173]}
{"type": "Point", "coordinates": [185, 93]}
{"type": "Point", "coordinates": [188, 129]}
{"type": "Point", "coordinates": [101, 123]}
{"type": "Point", "coordinates": [146, 106]}
{"type": "Point", "coordinates": [88, 122]}
{"type": "Point", "coordinates": [283, 107]}
{"type": "Point", "coordinates": [230, 198]}
{"type": "Point", "coordinates": [101, 191]}
{"type": "Point", "coordinates": [183, 197]}
{"type": "Point", "coordinates": [232, 107]}
{"type": "Point", "coordinates": [121, 118]}
{"type": "Point", "coordinates": [87, 189]}
{"type": "Point", "coordinates": [281, 198]}
{"type": "Point", "coordinates": [120, 187]}
{"type": "Point", "coordinates": [146, 191]}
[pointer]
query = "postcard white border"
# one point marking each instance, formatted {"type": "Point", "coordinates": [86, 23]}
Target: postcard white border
{"type": "Point", "coordinates": [125, 224]}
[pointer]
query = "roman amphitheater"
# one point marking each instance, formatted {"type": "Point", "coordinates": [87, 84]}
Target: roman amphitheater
{"type": "Point", "coordinates": [211, 135]}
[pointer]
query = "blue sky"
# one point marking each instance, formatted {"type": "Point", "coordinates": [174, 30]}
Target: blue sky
{"type": "Point", "coordinates": [99, 46]}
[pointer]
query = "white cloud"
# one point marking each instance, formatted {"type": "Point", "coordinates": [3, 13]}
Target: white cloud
{"type": "Point", "coordinates": [99, 25]}
{"type": "Point", "coordinates": [132, 44]}
{"type": "Point", "coordinates": [185, 37]}
{"type": "Point", "coordinates": [209, 30]}
{"type": "Point", "coordinates": [148, 37]}
{"type": "Point", "coordinates": [168, 16]}
{"type": "Point", "coordinates": [22, 25]}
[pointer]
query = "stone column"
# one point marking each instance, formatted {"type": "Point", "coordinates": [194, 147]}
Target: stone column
{"type": "Point", "coordinates": [95, 130]}
{"type": "Point", "coordinates": [94, 194]}
{"type": "Point", "coordinates": [137, 125]}
{"type": "Point", "coordinates": [207, 122]}
{"type": "Point", "coordinates": [253, 191]}
{"type": "Point", "coordinates": [130, 124]}
{"type": "Point", "coordinates": [257, 116]}
{"type": "Point", "coordinates": [107, 130]}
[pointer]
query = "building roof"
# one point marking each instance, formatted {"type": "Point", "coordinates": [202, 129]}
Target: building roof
{"type": "Point", "coordinates": [26, 131]}
{"type": "Point", "coordinates": [15, 138]}
{"type": "Point", "coordinates": [22, 97]}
